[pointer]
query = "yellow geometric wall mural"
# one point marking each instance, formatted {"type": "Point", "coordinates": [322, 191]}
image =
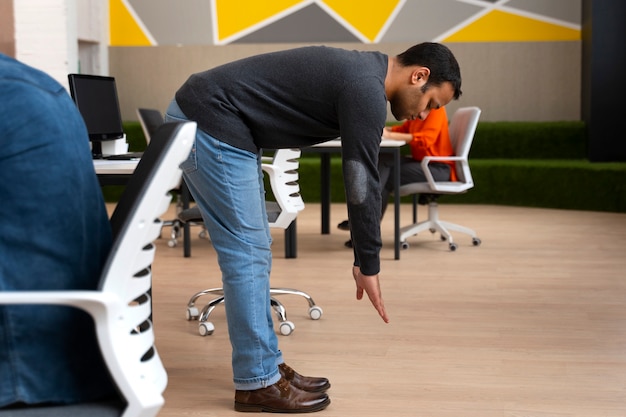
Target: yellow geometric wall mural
{"type": "Point", "coordinates": [234, 17]}
{"type": "Point", "coordinates": [498, 26]}
{"type": "Point", "coordinates": [124, 27]}
{"type": "Point", "coordinates": [221, 22]}
{"type": "Point", "coordinates": [368, 17]}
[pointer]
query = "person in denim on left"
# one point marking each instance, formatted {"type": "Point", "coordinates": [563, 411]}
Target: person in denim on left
{"type": "Point", "coordinates": [54, 235]}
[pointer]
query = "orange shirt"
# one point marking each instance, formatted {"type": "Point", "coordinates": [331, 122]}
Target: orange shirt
{"type": "Point", "coordinates": [430, 137]}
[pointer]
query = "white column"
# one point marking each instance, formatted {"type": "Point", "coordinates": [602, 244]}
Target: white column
{"type": "Point", "coordinates": [61, 37]}
{"type": "Point", "coordinates": [42, 37]}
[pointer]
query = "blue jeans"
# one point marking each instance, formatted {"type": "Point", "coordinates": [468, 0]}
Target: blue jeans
{"type": "Point", "coordinates": [54, 235]}
{"type": "Point", "coordinates": [227, 184]}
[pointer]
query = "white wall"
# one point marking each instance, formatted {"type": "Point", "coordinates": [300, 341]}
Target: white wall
{"type": "Point", "coordinates": [48, 34]}
{"type": "Point", "coordinates": [42, 33]}
{"type": "Point", "coordinates": [92, 21]}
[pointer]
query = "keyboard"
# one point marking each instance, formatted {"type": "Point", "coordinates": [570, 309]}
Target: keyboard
{"type": "Point", "coordinates": [130, 156]}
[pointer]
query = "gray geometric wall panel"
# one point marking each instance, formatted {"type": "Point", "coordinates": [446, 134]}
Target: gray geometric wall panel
{"type": "Point", "coordinates": [566, 10]}
{"type": "Point", "coordinates": [308, 25]}
{"type": "Point", "coordinates": [188, 22]}
{"type": "Point", "coordinates": [425, 20]}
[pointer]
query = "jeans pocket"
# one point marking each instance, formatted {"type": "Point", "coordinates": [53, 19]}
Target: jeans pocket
{"type": "Point", "coordinates": [190, 164]}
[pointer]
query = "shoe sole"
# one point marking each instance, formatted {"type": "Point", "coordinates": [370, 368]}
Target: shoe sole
{"type": "Point", "coordinates": [317, 391]}
{"type": "Point", "coordinates": [257, 408]}
{"type": "Point", "coordinates": [344, 226]}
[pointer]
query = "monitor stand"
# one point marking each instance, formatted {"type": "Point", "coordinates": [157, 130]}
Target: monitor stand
{"type": "Point", "coordinates": [96, 149]}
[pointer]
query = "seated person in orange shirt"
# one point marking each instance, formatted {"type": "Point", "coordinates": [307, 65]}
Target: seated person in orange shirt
{"type": "Point", "coordinates": [428, 137]}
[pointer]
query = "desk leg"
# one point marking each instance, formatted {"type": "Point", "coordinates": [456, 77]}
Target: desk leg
{"type": "Point", "coordinates": [325, 191]}
{"type": "Point", "coordinates": [186, 197]}
{"type": "Point", "coordinates": [396, 203]}
{"type": "Point", "coordinates": [291, 241]}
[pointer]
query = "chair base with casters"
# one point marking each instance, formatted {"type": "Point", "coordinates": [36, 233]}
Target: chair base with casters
{"type": "Point", "coordinates": [282, 171]}
{"type": "Point", "coordinates": [434, 225]}
{"type": "Point", "coordinates": [462, 128]}
{"type": "Point", "coordinates": [286, 327]}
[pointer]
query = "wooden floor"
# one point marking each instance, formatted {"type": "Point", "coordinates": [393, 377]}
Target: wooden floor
{"type": "Point", "coordinates": [532, 323]}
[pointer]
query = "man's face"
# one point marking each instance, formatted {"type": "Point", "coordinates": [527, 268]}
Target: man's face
{"type": "Point", "coordinates": [415, 101]}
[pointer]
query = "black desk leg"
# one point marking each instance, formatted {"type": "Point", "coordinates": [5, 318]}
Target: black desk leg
{"type": "Point", "coordinates": [325, 191]}
{"type": "Point", "coordinates": [186, 197]}
{"type": "Point", "coordinates": [291, 241]}
{"type": "Point", "coordinates": [396, 203]}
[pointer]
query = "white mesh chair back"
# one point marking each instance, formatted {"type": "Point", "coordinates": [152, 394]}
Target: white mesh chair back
{"type": "Point", "coordinates": [283, 176]}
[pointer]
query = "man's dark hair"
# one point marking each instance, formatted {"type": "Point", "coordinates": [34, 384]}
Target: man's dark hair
{"type": "Point", "coordinates": [439, 59]}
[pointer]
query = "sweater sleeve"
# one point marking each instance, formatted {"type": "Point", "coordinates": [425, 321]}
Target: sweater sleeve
{"type": "Point", "coordinates": [362, 112]}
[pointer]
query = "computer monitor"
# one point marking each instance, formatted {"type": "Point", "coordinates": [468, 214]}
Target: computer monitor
{"type": "Point", "coordinates": [96, 99]}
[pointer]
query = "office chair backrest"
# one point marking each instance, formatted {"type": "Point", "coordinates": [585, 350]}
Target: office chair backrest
{"type": "Point", "coordinates": [150, 120]}
{"type": "Point", "coordinates": [156, 154]}
{"type": "Point", "coordinates": [128, 273]}
{"type": "Point", "coordinates": [462, 128]}
{"type": "Point", "coordinates": [283, 175]}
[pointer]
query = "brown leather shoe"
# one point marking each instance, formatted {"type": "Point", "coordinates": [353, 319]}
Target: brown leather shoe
{"type": "Point", "coordinates": [282, 397]}
{"type": "Point", "coordinates": [305, 383]}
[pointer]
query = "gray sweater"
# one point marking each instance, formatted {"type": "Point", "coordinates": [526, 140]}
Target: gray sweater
{"type": "Point", "coordinates": [297, 98]}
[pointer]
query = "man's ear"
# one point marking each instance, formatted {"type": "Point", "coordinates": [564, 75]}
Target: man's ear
{"type": "Point", "coordinates": [420, 75]}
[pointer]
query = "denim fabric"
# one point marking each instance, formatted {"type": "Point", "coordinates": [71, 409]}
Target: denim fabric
{"type": "Point", "coordinates": [227, 184]}
{"type": "Point", "coordinates": [54, 235]}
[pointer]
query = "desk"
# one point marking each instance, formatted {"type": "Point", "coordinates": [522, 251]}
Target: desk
{"type": "Point", "coordinates": [114, 172]}
{"type": "Point", "coordinates": [325, 149]}
{"type": "Point", "coordinates": [119, 172]}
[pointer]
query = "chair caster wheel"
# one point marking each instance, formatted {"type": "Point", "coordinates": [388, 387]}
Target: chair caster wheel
{"type": "Point", "coordinates": [476, 241]}
{"type": "Point", "coordinates": [171, 243]}
{"type": "Point", "coordinates": [453, 247]}
{"type": "Point", "coordinates": [192, 313]}
{"type": "Point", "coordinates": [315, 312]}
{"type": "Point", "coordinates": [206, 328]}
{"type": "Point", "coordinates": [404, 245]}
{"type": "Point", "coordinates": [286, 328]}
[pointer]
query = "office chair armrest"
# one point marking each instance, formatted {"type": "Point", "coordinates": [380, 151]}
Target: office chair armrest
{"type": "Point", "coordinates": [429, 176]}
{"type": "Point", "coordinates": [428, 159]}
{"type": "Point", "coordinates": [93, 302]}
{"type": "Point", "coordinates": [105, 308]}
{"type": "Point", "coordinates": [111, 318]}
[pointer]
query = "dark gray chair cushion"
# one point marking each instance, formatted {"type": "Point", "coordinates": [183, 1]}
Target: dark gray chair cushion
{"type": "Point", "coordinates": [95, 409]}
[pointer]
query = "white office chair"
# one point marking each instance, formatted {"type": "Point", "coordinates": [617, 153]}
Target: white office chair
{"type": "Point", "coordinates": [121, 308]}
{"type": "Point", "coordinates": [462, 128]}
{"type": "Point", "coordinates": [282, 171]}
